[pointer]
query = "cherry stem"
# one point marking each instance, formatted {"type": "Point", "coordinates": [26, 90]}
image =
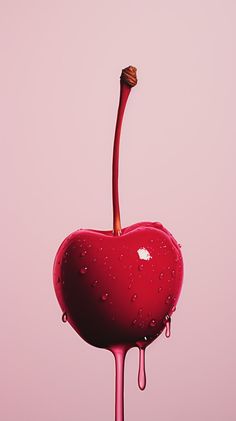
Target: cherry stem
{"type": "Point", "coordinates": [128, 80]}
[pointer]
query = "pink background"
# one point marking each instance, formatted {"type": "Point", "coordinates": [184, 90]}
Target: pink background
{"type": "Point", "coordinates": [60, 68]}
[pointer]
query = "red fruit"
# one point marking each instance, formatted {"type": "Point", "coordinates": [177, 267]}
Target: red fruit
{"type": "Point", "coordinates": [119, 289]}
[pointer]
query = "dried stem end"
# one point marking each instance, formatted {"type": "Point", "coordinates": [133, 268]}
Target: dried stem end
{"type": "Point", "coordinates": [129, 76]}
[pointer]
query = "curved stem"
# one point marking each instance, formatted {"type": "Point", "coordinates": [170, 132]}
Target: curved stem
{"type": "Point", "coordinates": [124, 94]}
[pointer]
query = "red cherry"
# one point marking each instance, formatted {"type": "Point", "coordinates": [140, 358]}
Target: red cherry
{"type": "Point", "coordinates": [118, 289]}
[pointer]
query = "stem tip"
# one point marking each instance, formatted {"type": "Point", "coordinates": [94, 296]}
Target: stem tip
{"type": "Point", "coordinates": [129, 76]}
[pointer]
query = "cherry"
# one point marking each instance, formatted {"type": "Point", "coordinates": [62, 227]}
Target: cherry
{"type": "Point", "coordinates": [118, 289]}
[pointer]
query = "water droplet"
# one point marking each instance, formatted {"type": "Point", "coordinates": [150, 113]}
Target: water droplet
{"type": "Point", "coordinates": [140, 311]}
{"type": "Point", "coordinates": [134, 297]}
{"type": "Point", "coordinates": [130, 285]}
{"type": "Point", "coordinates": [106, 257]}
{"type": "Point", "coordinates": [64, 317]}
{"type": "Point", "coordinates": [153, 323]}
{"type": "Point", "coordinates": [94, 259]}
{"type": "Point", "coordinates": [173, 273]}
{"type": "Point", "coordinates": [173, 309]}
{"type": "Point", "coordinates": [164, 246]}
{"type": "Point", "coordinates": [83, 270]}
{"type": "Point", "coordinates": [95, 284]}
{"type": "Point", "coordinates": [121, 256]}
{"type": "Point", "coordinates": [168, 299]}
{"type": "Point", "coordinates": [105, 296]}
{"type": "Point", "coordinates": [167, 323]}
{"type": "Point", "coordinates": [159, 289]}
{"type": "Point", "coordinates": [140, 267]}
{"type": "Point", "coordinates": [134, 322]}
{"type": "Point", "coordinates": [100, 248]}
{"type": "Point", "coordinates": [141, 370]}
{"type": "Point", "coordinates": [83, 253]}
{"type": "Point", "coordinates": [179, 245]}
{"type": "Point", "coordinates": [141, 324]}
{"type": "Point", "coordinates": [161, 276]}
{"type": "Point", "coordinates": [89, 246]}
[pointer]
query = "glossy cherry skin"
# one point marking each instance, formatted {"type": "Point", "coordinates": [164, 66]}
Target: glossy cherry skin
{"type": "Point", "coordinates": [119, 289]}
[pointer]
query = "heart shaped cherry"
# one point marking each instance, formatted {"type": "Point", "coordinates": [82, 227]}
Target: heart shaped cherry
{"type": "Point", "coordinates": [118, 289]}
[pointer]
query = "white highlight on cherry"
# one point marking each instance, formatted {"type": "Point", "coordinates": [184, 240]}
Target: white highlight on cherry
{"type": "Point", "coordinates": [144, 254]}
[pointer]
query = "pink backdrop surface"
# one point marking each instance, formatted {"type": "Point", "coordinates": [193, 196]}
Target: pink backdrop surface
{"type": "Point", "coordinates": [60, 68]}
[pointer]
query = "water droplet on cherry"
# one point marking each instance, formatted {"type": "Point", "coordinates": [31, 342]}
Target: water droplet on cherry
{"type": "Point", "coordinates": [140, 267]}
{"type": "Point", "coordinates": [167, 324]}
{"type": "Point", "coordinates": [95, 284]}
{"type": "Point", "coordinates": [105, 296]}
{"type": "Point", "coordinates": [159, 289]}
{"type": "Point", "coordinates": [83, 270]}
{"type": "Point", "coordinates": [153, 323]}
{"type": "Point", "coordinates": [83, 253]}
{"type": "Point", "coordinates": [134, 297]}
{"type": "Point", "coordinates": [64, 317]}
{"type": "Point", "coordinates": [168, 299]}
{"type": "Point", "coordinates": [161, 276]}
